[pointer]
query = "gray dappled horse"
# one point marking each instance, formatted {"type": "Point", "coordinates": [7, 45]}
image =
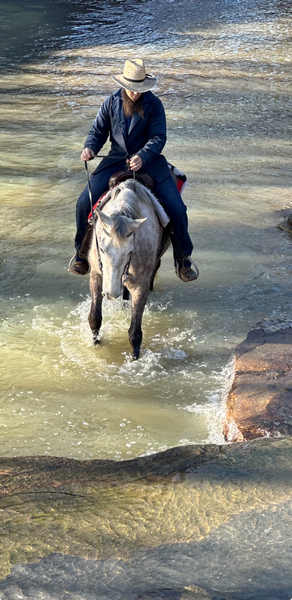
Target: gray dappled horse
{"type": "Point", "coordinates": [125, 251]}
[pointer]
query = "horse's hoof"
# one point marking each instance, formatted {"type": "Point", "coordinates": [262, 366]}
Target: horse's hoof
{"type": "Point", "coordinates": [96, 340]}
{"type": "Point", "coordinates": [136, 353]}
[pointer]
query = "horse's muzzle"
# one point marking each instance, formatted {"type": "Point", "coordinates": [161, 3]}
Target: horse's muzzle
{"type": "Point", "coordinates": [109, 296]}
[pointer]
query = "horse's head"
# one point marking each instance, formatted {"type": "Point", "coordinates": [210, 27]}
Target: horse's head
{"type": "Point", "coordinates": [115, 236]}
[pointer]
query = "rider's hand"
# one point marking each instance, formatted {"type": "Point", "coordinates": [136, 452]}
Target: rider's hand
{"type": "Point", "coordinates": [87, 154]}
{"type": "Point", "coordinates": [135, 163]}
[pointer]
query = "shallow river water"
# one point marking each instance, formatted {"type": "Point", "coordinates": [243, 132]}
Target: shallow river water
{"type": "Point", "coordinates": [224, 73]}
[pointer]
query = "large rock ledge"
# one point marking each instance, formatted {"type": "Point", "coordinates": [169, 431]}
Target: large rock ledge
{"type": "Point", "coordinates": [191, 523]}
{"type": "Point", "coordinates": [260, 401]}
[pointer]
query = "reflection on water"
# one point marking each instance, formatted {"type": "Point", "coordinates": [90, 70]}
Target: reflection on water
{"type": "Point", "coordinates": [224, 76]}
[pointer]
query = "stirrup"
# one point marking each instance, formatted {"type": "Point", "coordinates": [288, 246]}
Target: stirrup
{"type": "Point", "coordinates": [78, 267]}
{"type": "Point", "coordinates": [186, 273]}
{"type": "Point", "coordinates": [194, 265]}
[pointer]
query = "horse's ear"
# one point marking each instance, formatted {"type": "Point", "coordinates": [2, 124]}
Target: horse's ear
{"type": "Point", "coordinates": [134, 224]}
{"type": "Point", "coordinates": [105, 219]}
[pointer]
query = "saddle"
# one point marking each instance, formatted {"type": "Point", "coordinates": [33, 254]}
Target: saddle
{"type": "Point", "coordinates": [180, 181]}
{"type": "Point", "coordinates": [140, 176]}
{"type": "Point", "coordinates": [120, 176]}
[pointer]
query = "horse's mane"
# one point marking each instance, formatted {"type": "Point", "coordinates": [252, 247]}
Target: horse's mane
{"type": "Point", "coordinates": [125, 201]}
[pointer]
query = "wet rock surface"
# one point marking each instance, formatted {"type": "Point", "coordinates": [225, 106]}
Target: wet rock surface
{"type": "Point", "coordinates": [260, 401]}
{"type": "Point", "coordinates": [286, 225]}
{"type": "Point", "coordinates": [191, 523]}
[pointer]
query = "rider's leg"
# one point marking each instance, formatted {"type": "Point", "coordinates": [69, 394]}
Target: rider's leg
{"type": "Point", "coordinates": [171, 200]}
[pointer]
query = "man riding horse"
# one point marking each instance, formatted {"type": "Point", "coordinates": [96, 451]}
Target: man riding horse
{"type": "Point", "coordinates": [134, 118]}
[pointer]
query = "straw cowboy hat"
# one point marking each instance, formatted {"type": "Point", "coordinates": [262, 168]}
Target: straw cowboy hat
{"type": "Point", "coordinates": [134, 77]}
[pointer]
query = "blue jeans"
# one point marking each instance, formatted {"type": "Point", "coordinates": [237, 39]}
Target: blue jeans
{"type": "Point", "coordinates": [166, 192]}
{"type": "Point", "coordinates": [171, 200]}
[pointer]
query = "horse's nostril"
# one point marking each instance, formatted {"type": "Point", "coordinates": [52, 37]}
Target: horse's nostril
{"type": "Point", "coordinates": [110, 296]}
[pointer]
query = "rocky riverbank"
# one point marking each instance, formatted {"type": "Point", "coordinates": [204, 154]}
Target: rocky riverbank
{"type": "Point", "coordinates": [260, 401]}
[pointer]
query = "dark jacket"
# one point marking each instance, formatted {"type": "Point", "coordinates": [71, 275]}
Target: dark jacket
{"type": "Point", "coordinates": [146, 136]}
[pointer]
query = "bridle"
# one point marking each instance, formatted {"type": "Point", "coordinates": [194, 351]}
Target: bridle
{"type": "Point", "coordinates": [125, 274]}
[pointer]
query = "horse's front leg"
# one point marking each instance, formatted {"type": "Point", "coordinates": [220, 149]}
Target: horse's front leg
{"type": "Point", "coordinates": [139, 298]}
{"type": "Point", "coordinates": [95, 315]}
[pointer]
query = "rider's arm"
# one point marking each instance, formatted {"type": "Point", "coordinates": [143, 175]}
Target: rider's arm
{"type": "Point", "coordinates": [100, 128]}
{"type": "Point", "coordinates": [157, 133]}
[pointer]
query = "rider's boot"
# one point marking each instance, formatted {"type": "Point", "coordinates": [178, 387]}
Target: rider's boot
{"type": "Point", "coordinates": [183, 263]}
{"type": "Point", "coordinates": [183, 269]}
{"type": "Point", "coordinates": [79, 262]}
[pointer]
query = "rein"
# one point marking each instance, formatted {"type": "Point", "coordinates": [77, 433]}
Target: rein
{"type": "Point", "coordinates": [125, 274]}
{"type": "Point", "coordinates": [92, 216]}
{"type": "Point", "coordinates": [89, 188]}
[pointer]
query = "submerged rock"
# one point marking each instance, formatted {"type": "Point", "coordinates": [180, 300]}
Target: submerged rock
{"type": "Point", "coordinates": [260, 401]}
{"type": "Point", "coordinates": [287, 224]}
{"type": "Point", "coordinates": [191, 523]}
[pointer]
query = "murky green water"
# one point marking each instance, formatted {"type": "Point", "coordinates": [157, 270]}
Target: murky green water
{"type": "Point", "coordinates": [225, 79]}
